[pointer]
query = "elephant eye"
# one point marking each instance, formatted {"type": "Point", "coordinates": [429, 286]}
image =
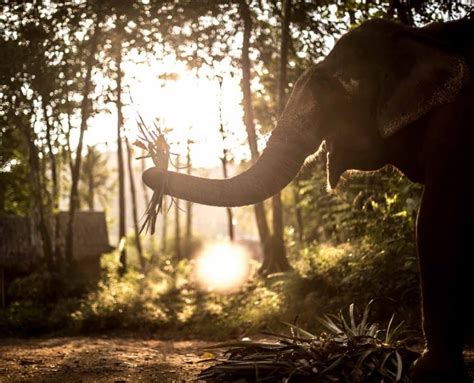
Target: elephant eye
{"type": "Point", "coordinates": [351, 85]}
{"type": "Point", "coordinates": [324, 81]}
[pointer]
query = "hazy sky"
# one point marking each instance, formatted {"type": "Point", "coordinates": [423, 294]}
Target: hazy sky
{"type": "Point", "coordinates": [188, 105]}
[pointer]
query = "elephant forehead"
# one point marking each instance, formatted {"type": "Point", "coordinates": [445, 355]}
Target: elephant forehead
{"type": "Point", "coordinates": [348, 82]}
{"type": "Point", "coordinates": [302, 99]}
{"type": "Point", "coordinates": [364, 47]}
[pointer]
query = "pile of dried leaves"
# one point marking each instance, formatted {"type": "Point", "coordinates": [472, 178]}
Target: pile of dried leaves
{"type": "Point", "coordinates": [346, 352]}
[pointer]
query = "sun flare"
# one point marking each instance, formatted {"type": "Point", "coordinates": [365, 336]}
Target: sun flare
{"type": "Point", "coordinates": [186, 103]}
{"type": "Point", "coordinates": [222, 267]}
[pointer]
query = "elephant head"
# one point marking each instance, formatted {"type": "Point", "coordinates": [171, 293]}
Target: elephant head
{"type": "Point", "coordinates": [379, 79]}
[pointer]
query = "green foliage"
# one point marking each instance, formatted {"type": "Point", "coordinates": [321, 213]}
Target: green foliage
{"type": "Point", "coordinates": [118, 304]}
{"type": "Point", "coordinates": [95, 180]}
{"type": "Point", "coordinates": [359, 246]}
{"type": "Point", "coordinates": [14, 197]}
{"type": "Point", "coordinates": [358, 243]}
{"type": "Point", "coordinates": [325, 278]}
{"type": "Point", "coordinates": [380, 205]}
{"type": "Point", "coordinates": [351, 349]}
{"type": "Point", "coordinates": [23, 317]}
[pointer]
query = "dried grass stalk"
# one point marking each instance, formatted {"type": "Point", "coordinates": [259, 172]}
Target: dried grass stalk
{"type": "Point", "coordinates": [153, 141]}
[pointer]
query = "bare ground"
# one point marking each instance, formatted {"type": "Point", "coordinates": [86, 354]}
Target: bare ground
{"type": "Point", "coordinates": [106, 360]}
{"type": "Point", "coordinates": [84, 359]}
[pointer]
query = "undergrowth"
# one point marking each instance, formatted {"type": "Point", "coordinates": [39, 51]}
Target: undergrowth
{"type": "Point", "coordinates": [324, 279]}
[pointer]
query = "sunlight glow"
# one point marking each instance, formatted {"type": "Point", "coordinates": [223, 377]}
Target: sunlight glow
{"type": "Point", "coordinates": [222, 267]}
{"type": "Point", "coordinates": [185, 101]}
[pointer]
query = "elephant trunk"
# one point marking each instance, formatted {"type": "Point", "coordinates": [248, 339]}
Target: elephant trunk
{"type": "Point", "coordinates": [279, 163]}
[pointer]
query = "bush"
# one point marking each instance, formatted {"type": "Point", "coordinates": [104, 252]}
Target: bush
{"type": "Point", "coordinates": [359, 246]}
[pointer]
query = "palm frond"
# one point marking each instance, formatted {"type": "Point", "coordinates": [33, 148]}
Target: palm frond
{"type": "Point", "coordinates": [350, 350]}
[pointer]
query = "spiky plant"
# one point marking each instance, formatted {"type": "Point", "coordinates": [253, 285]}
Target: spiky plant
{"type": "Point", "coordinates": [350, 350]}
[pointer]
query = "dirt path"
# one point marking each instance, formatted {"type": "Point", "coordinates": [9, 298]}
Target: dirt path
{"type": "Point", "coordinates": [106, 360]}
{"type": "Point", "coordinates": [84, 359]}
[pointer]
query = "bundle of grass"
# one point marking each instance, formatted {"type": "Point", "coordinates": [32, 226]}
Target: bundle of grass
{"type": "Point", "coordinates": [346, 352]}
{"type": "Point", "coordinates": [153, 142]}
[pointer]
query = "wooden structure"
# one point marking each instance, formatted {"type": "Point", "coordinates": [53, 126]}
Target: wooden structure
{"type": "Point", "coordinates": [21, 249]}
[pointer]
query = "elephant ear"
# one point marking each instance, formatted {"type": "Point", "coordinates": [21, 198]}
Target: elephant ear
{"type": "Point", "coordinates": [421, 77]}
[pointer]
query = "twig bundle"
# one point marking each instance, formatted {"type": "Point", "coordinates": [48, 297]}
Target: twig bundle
{"type": "Point", "coordinates": [347, 352]}
{"type": "Point", "coordinates": [153, 141]}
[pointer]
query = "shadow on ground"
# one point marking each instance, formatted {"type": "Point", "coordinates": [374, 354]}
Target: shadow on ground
{"type": "Point", "coordinates": [106, 360]}
{"type": "Point", "coordinates": [86, 359]}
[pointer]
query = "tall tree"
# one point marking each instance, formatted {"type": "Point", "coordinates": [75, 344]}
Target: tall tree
{"type": "Point", "coordinates": [95, 180]}
{"type": "Point", "coordinates": [188, 236]}
{"type": "Point", "coordinates": [259, 208]}
{"type": "Point", "coordinates": [164, 227]}
{"type": "Point", "coordinates": [225, 156]}
{"type": "Point", "coordinates": [55, 179]}
{"type": "Point", "coordinates": [138, 243]}
{"type": "Point", "coordinates": [144, 187]}
{"type": "Point", "coordinates": [177, 225]}
{"type": "Point", "coordinates": [39, 212]}
{"type": "Point", "coordinates": [296, 187]}
{"type": "Point", "coordinates": [120, 162]}
{"type": "Point", "coordinates": [85, 114]}
{"type": "Point", "coordinates": [280, 262]}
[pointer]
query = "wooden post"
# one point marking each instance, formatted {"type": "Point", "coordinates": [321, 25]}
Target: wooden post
{"type": "Point", "coordinates": [2, 283]}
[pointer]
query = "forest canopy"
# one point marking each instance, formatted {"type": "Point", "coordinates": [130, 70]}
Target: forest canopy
{"type": "Point", "coordinates": [77, 78]}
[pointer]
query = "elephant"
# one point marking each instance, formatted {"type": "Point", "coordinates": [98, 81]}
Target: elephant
{"type": "Point", "coordinates": [385, 94]}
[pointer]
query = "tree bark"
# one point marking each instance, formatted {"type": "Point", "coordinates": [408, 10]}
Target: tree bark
{"type": "Point", "coordinates": [279, 251]}
{"type": "Point", "coordinates": [138, 243]}
{"type": "Point", "coordinates": [69, 111]}
{"type": "Point", "coordinates": [298, 212]}
{"type": "Point", "coordinates": [36, 202]}
{"type": "Point", "coordinates": [91, 199]}
{"type": "Point", "coordinates": [259, 208]}
{"type": "Point", "coordinates": [85, 113]}
{"type": "Point", "coordinates": [55, 185]}
{"type": "Point", "coordinates": [177, 227]}
{"type": "Point", "coordinates": [2, 287]}
{"type": "Point", "coordinates": [120, 161]}
{"type": "Point", "coordinates": [164, 228]}
{"type": "Point", "coordinates": [189, 207]}
{"type": "Point", "coordinates": [225, 159]}
{"type": "Point", "coordinates": [39, 213]}
{"type": "Point", "coordinates": [145, 188]}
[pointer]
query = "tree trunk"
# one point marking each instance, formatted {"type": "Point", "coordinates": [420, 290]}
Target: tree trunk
{"type": "Point", "coordinates": [85, 113]}
{"type": "Point", "coordinates": [120, 162]}
{"type": "Point", "coordinates": [279, 252]}
{"type": "Point", "coordinates": [91, 199]}
{"type": "Point", "coordinates": [259, 208]}
{"type": "Point", "coordinates": [2, 287]}
{"type": "Point", "coordinates": [148, 241]}
{"type": "Point", "coordinates": [39, 214]}
{"type": "Point", "coordinates": [298, 212]}
{"type": "Point", "coordinates": [136, 227]}
{"type": "Point", "coordinates": [177, 228]}
{"type": "Point", "coordinates": [70, 112]}
{"type": "Point", "coordinates": [164, 228]}
{"type": "Point", "coordinates": [189, 207]}
{"type": "Point", "coordinates": [224, 158]}
{"type": "Point", "coordinates": [55, 185]}
{"type": "Point", "coordinates": [145, 188]}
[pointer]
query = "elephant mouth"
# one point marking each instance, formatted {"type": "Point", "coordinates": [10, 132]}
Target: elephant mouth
{"type": "Point", "coordinates": [341, 159]}
{"type": "Point", "coordinates": [334, 167]}
{"type": "Point", "coordinates": [334, 170]}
